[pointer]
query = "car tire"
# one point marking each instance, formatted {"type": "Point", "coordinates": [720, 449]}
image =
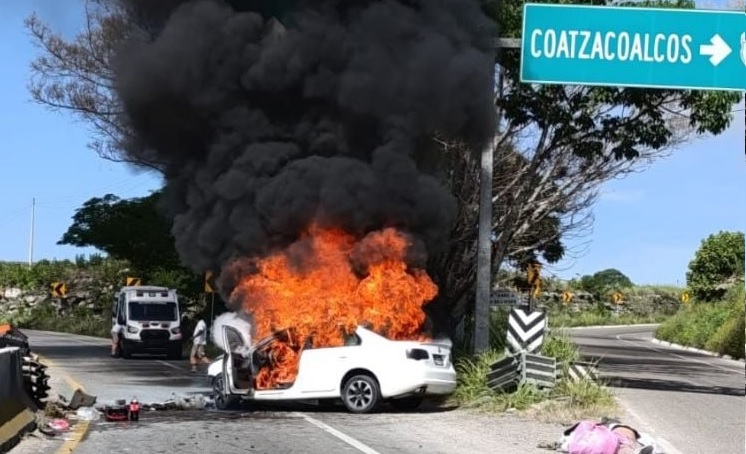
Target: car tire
{"type": "Point", "coordinates": [222, 400]}
{"type": "Point", "coordinates": [407, 403]}
{"type": "Point", "coordinates": [360, 394]}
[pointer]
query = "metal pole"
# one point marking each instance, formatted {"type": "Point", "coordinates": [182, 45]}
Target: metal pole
{"type": "Point", "coordinates": [484, 253]}
{"type": "Point", "coordinates": [484, 241]}
{"type": "Point", "coordinates": [31, 236]}
{"type": "Point", "coordinates": [212, 308]}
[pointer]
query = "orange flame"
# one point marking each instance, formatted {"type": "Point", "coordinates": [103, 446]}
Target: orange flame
{"type": "Point", "coordinates": [326, 284]}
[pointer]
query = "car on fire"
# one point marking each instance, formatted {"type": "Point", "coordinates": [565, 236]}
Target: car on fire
{"type": "Point", "coordinates": [367, 370]}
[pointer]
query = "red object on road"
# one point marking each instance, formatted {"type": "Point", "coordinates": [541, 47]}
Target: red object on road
{"type": "Point", "coordinates": [134, 410]}
{"type": "Point", "coordinates": [117, 413]}
{"type": "Point", "coordinates": [59, 425]}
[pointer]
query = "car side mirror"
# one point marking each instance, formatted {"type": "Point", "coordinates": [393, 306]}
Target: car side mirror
{"type": "Point", "coordinates": [121, 320]}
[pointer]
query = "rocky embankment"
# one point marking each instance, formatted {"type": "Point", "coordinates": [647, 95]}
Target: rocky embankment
{"type": "Point", "coordinates": [84, 294]}
{"type": "Point", "coordinates": [639, 302]}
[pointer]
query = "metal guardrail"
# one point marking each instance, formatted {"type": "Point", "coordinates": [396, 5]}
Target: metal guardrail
{"type": "Point", "coordinates": [504, 374]}
{"type": "Point", "coordinates": [516, 369]}
{"type": "Point", "coordinates": [539, 370]}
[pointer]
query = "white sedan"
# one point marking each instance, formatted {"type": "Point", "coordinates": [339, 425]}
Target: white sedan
{"type": "Point", "coordinates": [368, 369]}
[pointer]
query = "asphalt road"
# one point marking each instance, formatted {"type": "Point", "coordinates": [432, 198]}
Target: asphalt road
{"type": "Point", "coordinates": [267, 429]}
{"type": "Point", "coordinates": [691, 401]}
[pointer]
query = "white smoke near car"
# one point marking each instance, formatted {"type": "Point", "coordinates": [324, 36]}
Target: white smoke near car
{"type": "Point", "coordinates": [240, 321]}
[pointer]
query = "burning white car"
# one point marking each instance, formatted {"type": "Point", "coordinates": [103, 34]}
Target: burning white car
{"type": "Point", "coordinates": [367, 370]}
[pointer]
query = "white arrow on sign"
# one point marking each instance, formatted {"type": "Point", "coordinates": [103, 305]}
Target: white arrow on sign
{"type": "Point", "coordinates": [717, 50]}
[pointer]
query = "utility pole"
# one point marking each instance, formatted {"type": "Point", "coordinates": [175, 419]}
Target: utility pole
{"type": "Point", "coordinates": [484, 241]}
{"type": "Point", "coordinates": [31, 236]}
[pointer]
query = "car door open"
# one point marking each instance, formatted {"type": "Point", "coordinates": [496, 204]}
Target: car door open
{"type": "Point", "coordinates": [236, 370]}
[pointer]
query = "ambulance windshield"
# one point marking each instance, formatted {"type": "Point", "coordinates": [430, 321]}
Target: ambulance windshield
{"type": "Point", "coordinates": [153, 312]}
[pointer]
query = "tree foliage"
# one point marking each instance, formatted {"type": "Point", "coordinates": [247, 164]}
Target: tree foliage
{"type": "Point", "coordinates": [602, 282]}
{"type": "Point", "coordinates": [717, 265]}
{"type": "Point", "coordinates": [133, 230]}
{"type": "Point", "coordinates": [126, 229]}
{"type": "Point", "coordinates": [557, 146]}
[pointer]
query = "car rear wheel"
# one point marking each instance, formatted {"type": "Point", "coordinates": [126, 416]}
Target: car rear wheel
{"type": "Point", "coordinates": [407, 403]}
{"type": "Point", "coordinates": [360, 394]}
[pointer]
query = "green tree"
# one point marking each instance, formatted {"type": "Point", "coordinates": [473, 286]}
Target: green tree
{"type": "Point", "coordinates": [130, 229]}
{"type": "Point", "coordinates": [133, 230]}
{"type": "Point", "coordinates": [717, 265]}
{"type": "Point", "coordinates": [604, 281]}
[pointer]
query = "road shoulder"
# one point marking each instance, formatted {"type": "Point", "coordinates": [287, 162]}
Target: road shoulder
{"type": "Point", "coordinates": [696, 350]}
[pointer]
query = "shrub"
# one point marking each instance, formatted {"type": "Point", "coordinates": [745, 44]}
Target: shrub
{"type": "Point", "coordinates": [717, 327]}
{"type": "Point", "coordinates": [719, 258]}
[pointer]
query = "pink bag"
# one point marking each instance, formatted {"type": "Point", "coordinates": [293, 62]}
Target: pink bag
{"type": "Point", "coordinates": [589, 437]}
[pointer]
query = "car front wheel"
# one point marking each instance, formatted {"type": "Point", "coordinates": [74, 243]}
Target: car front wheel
{"type": "Point", "coordinates": [360, 394]}
{"type": "Point", "coordinates": [223, 401]}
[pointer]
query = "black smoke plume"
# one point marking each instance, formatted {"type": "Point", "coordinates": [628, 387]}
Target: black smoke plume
{"type": "Point", "coordinates": [326, 115]}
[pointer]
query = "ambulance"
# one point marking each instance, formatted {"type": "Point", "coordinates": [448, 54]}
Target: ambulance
{"type": "Point", "coordinates": [147, 320]}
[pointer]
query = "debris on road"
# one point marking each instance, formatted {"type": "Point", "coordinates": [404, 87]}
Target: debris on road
{"type": "Point", "coordinates": [58, 416]}
{"type": "Point", "coordinates": [122, 411]}
{"type": "Point", "coordinates": [81, 399]}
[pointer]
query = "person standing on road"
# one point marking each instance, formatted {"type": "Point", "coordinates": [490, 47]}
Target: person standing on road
{"type": "Point", "coordinates": [199, 341]}
{"type": "Point", "coordinates": [115, 339]}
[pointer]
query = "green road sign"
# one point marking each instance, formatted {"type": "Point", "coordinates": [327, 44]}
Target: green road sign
{"type": "Point", "coordinates": [633, 47]}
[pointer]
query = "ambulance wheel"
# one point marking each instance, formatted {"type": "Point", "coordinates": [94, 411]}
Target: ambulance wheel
{"type": "Point", "coordinates": [124, 351]}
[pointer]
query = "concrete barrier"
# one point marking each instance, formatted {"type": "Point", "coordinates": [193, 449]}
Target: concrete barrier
{"type": "Point", "coordinates": [16, 408]}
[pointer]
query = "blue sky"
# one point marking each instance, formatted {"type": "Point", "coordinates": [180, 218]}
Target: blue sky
{"type": "Point", "coordinates": [647, 225]}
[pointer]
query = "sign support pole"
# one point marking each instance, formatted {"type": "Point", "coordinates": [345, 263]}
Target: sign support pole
{"type": "Point", "coordinates": [484, 241]}
{"type": "Point", "coordinates": [212, 308]}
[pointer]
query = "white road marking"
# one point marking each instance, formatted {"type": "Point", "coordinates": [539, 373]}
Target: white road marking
{"type": "Point", "coordinates": [687, 358]}
{"type": "Point", "coordinates": [661, 442]}
{"type": "Point", "coordinates": [172, 366]}
{"type": "Point", "coordinates": [360, 446]}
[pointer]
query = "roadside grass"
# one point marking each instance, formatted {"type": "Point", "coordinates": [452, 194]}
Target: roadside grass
{"type": "Point", "coordinates": [567, 402]}
{"type": "Point", "coordinates": [565, 319]}
{"type": "Point", "coordinates": [717, 327]}
{"type": "Point", "coordinates": [80, 321]}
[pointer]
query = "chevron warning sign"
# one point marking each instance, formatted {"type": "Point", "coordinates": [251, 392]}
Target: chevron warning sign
{"type": "Point", "coordinates": [210, 282]}
{"type": "Point", "coordinates": [133, 281]}
{"type": "Point", "coordinates": [526, 330]}
{"type": "Point", "coordinates": [59, 289]}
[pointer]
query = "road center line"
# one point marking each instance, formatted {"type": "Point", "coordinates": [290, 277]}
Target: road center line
{"type": "Point", "coordinates": [642, 343]}
{"type": "Point", "coordinates": [360, 446]}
